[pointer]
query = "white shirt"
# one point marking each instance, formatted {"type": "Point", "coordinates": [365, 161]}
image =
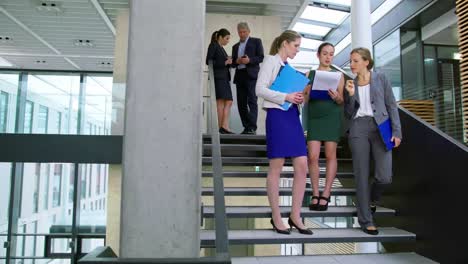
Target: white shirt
{"type": "Point", "coordinates": [365, 108]}
{"type": "Point", "coordinates": [268, 72]}
{"type": "Point", "coordinates": [241, 52]}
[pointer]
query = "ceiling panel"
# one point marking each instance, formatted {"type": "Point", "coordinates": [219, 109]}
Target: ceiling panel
{"type": "Point", "coordinates": [51, 35]}
{"type": "Point", "coordinates": [51, 63]}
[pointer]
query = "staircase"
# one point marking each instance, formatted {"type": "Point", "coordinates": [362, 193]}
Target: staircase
{"type": "Point", "coordinates": [250, 235]}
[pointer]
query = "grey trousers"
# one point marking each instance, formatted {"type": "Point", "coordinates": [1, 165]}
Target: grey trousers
{"type": "Point", "coordinates": [365, 142]}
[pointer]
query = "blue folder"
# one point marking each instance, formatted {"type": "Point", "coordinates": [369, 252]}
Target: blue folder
{"type": "Point", "coordinates": [289, 80]}
{"type": "Point", "coordinates": [385, 129]}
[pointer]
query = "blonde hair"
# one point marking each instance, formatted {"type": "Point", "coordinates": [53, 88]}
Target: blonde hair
{"type": "Point", "coordinates": [366, 55]}
{"type": "Point", "coordinates": [288, 36]}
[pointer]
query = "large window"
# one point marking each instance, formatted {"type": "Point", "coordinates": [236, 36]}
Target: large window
{"type": "Point", "coordinates": [9, 83]}
{"type": "Point", "coordinates": [53, 103]}
{"type": "Point", "coordinates": [28, 117]}
{"type": "Point", "coordinates": [46, 190]}
{"type": "Point", "coordinates": [37, 187]}
{"type": "Point", "coordinates": [3, 111]}
{"type": "Point", "coordinates": [58, 123]}
{"type": "Point", "coordinates": [5, 180]}
{"type": "Point", "coordinates": [42, 119]}
{"type": "Point", "coordinates": [57, 185]}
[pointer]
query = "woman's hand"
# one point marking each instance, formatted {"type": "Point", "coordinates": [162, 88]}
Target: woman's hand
{"type": "Point", "coordinates": [350, 87]}
{"type": "Point", "coordinates": [228, 61]}
{"type": "Point", "coordinates": [396, 140]}
{"type": "Point", "coordinates": [295, 98]}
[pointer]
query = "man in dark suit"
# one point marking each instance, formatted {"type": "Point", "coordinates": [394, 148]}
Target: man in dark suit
{"type": "Point", "coordinates": [247, 54]}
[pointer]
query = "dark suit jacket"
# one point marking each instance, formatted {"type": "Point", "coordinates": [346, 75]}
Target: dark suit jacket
{"type": "Point", "coordinates": [382, 101]}
{"type": "Point", "coordinates": [254, 50]}
{"type": "Point", "coordinates": [219, 56]}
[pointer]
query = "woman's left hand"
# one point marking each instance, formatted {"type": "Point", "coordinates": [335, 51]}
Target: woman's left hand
{"type": "Point", "coordinates": [396, 140]}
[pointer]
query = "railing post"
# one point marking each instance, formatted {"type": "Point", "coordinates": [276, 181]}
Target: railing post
{"type": "Point", "coordinates": [222, 241]}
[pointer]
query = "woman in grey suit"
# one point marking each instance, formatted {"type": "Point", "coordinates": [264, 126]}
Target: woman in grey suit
{"type": "Point", "coordinates": [369, 104]}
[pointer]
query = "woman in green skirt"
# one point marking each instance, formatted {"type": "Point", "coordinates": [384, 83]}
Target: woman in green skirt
{"type": "Point", "coordinates": [323, 125]}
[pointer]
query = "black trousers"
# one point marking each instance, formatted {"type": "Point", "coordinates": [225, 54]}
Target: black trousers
{"type": "Point", "coordinates": [246, 100]}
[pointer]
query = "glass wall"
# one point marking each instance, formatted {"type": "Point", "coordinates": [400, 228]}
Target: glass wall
{"type": "Point", "coordinates": [442, 80]}
{"type": "Point", "coordinates": [54, 103]}
{"type": "Point", "coordinates": [5, 186]}
{"type": "Point", "coordinates": [412, 66]}
{"type": "Point", "coordinates": [387, 60]}
{"type": "Point", "coordinates": [9, 83]}
{"type": "Point", "coordinates": [425, 78]}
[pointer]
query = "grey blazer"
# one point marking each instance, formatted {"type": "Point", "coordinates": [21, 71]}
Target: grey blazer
{"type": "Point", "coordinates": [382, 101]}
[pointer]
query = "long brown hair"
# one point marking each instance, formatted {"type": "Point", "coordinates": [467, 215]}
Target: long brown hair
{"type": "Point", "coordinates": [288, 36]}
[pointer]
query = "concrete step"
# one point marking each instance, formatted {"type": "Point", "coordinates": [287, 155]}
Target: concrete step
{"type": "Point", "coordinates": [253, 150]}
{"type": "Point", "coordinates": [387, 258]}
{"type": "Point", "coordinates": [265, 212]}
{"type": "Point", "coordinates": [263, 174]}
{"type": "Point", "coordinates": [321, 235]}
{"type": "Point", "coordinates": [261, 191]}
{"type": "Point", "coordinates": [237, 138]}
{"type": "Point", "coordinates": [263, 161]}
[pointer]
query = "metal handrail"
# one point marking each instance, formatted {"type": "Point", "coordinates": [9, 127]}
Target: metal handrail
{"type": "Point", "coordinates": [222, 242]}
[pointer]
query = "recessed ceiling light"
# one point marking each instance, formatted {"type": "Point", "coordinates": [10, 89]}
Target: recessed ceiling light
{"type": "Point", "coordinates": [6, 39]}
{"type": "Point", "coordinates": [41, 61]}
{"type": "Point", "coordinates": [84, 43]}
{"type": "Point", "coordinates": [105, 64]}
{"type": "Point", "coordinates": [49, 6]}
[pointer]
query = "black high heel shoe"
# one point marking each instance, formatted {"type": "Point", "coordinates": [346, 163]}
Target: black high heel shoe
{"type": "Point", "coordinates": [370, 232]}
{"type": "Point", "coordinates": [305, 231]}
{"type": "Point", "coordinates": [222, 130]}
{"type": "Point", "coordinates": [314, 206]}
{"type": "Point", "coordinates": [280, 231]}
{"type": "Point", "coordinates": [323, 207]}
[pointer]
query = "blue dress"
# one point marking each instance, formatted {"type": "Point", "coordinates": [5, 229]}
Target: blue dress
{"type": "Point", "coordinates": [284, 133]}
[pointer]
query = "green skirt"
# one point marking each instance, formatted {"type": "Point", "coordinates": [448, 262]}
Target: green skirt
{"type": "Point", "coordinates": [323, 121]}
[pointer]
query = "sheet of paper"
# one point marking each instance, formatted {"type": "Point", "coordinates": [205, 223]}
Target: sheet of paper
{"type": "Point", "coordinates": [326, 80]}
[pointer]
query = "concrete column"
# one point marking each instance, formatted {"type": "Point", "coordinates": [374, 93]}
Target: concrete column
{"type": "Point", "coordinates": [118, 102]}
{"type": "Point", "coordinates": [361, 27]}
{"type": "Point", "coordinates": [161, 182]}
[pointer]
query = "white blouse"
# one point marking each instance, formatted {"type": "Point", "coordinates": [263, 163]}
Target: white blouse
{"type": "Point", "coordinates": [365, 108]}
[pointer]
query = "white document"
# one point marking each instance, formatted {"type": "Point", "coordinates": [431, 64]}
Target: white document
{"type": "Point", "coordinates": [326, 80]}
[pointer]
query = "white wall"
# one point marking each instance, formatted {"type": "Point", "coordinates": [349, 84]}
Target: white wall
{"type": "Point", "coordinates": [267, 28]}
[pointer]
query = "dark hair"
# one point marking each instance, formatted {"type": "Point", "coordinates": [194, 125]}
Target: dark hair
{"type": "Point", "coordinates": [366, 55]}
{"type": "Point", "coordinates": [219, 33]}
{"type": "Point", "coordinates": [288, 36]}
{"type": "Point", "coordinates": [323, 45]}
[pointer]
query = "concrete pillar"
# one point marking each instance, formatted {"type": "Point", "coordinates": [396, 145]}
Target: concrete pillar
{"type": "Point", "coordinates": [118, 102]}
{"type": "Point", "coordinates": [161, 182]}
{"type": "Point", "coordinates": [361, 27]}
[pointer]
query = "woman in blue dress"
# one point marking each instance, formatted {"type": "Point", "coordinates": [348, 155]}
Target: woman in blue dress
{"type": "Point", "coordinates": [284, 136]}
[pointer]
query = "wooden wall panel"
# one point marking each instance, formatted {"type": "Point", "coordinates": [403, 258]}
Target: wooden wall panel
{"type": "Point", "coordinates": [462, 13]}
{"type": "Point", "coordinates": [422, 108]}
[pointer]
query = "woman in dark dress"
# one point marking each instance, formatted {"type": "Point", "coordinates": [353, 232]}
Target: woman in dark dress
{"type": "Point", "coordinates": [222, 77]}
